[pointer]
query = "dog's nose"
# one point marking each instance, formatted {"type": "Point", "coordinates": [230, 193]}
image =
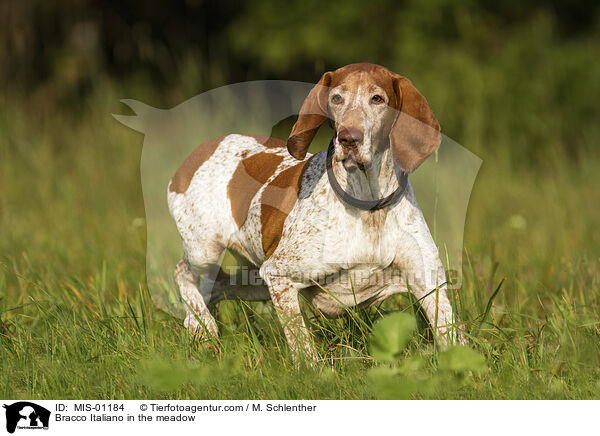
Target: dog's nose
{"type": "Point", "coordinates": [350, 137]}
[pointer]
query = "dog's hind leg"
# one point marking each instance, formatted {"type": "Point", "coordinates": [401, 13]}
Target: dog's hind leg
{"type": "Point", "coordinates": [198, 320]}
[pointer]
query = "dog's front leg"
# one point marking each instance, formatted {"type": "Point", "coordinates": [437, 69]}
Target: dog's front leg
{"type": "Point", "coordinates": [426, 279]}
{"type": "Point", "coordinates": [284, 294]}
{"type": "Point", "coordinates": [436, 305]}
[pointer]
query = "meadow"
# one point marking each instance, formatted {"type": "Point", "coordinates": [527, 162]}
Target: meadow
{"type": "Point", "coordinates": [77, 320]}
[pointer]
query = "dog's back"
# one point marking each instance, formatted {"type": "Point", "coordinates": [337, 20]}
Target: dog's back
{"type": "Point", "coordinates": [215, 196]}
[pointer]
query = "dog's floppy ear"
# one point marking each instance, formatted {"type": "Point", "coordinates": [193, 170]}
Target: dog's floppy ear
{"type": "Point", "coordinates": [312, 114]}
{"type": "Point", "coordinates": [416, 132]}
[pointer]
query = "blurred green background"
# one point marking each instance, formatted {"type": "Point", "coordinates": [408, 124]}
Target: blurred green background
{"type": "Point", "coordinates": [517, 83]}
{"type": "Point", "coordinates": [516, 75]}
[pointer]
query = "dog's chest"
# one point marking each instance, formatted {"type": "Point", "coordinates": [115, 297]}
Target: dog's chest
{"type": "Point", "coordinates": [338, 236]}
{"type": "Point", "coordinates": [352, 258]}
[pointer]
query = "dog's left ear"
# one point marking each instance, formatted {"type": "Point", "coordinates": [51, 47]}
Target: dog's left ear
{"type": "Point", "coordinates": [312, 114]}
{"type": "Point", "coordinates": [416, 132]}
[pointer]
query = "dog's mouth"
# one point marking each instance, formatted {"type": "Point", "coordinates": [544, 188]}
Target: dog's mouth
{"type": "Point", "coordinates": [351, 165]}
{"type": "Point", "coordinates": [352, 161]}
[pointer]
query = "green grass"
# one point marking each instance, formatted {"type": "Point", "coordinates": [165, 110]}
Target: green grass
{"type": "Point", "coordinates": [76, 319]}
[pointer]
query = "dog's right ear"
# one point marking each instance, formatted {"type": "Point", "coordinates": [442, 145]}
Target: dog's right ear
{"type": "Point", "coordinates": [312, 114]}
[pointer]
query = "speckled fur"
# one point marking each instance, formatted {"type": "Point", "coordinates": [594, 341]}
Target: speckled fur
{"type": "Point", "coordinates": [360, 257]}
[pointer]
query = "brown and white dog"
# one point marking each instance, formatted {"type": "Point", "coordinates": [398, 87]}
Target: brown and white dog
{"type": "Point", "coordinates": [284, 214]}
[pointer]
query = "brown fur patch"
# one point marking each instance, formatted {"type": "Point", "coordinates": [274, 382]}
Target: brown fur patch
{"type": "Point", "coordinates": [277, 201]}
{"type": "Point", "coordinates": [269, 142]}
{"type": "Point", "coordinates": [183, 177]}
{"type": "Point", "coordinates": [250, 174]}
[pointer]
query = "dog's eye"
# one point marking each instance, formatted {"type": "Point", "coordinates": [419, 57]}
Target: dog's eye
{"type": "Point", "coordinates": [337, 99]}
{"type": "Point", "coordinates": [377, 99]}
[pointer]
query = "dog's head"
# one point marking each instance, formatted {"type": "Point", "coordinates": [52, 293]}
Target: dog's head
{"type": "Point", "coordinates": [370, 108]}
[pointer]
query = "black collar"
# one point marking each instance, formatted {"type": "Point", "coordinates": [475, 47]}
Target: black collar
{"type": "Point", "coordinates": [356, 202]}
